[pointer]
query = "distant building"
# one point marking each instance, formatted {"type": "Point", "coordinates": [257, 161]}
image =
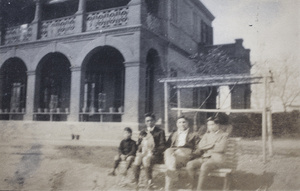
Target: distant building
{"type": "Point", "coordinates": [100, 60]}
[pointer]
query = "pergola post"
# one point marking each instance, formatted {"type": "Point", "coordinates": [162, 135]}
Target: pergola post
{"type": "Point", "coordinates": [270, 132]}
{"type": "Point", "coordinates": [269, 121]}
{"type": "Point", "coordinates": [166, 107]}
{"type": "Point", "coordinates": [178, 102]}
{"type": "Point", "coordinates": [264, 120]}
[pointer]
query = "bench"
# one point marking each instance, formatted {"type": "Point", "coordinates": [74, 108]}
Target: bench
{"type": "Point", "coordinates": [230, 165]}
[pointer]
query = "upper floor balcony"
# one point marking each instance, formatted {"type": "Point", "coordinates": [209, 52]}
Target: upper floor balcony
{"type": "Point", "coordinates": [51, 19]}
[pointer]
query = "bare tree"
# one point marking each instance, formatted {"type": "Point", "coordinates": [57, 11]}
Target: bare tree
{"type": "Point", "coordinates": [286, 85]}
{"type": "Point", "coordinates": [217, 61]}
{"type": "Point", "coordinates": [285, 89]}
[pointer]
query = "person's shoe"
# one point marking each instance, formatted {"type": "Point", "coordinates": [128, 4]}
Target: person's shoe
{"type": "Point", "coordinates": [112, 173]}
{"type": "Point", "coordinates": [189, 186]}
{"type": "Point", "coordinates": [150, 184]}
{"type": "Point", "coordinates": [124, 173]}
{"type": "Point", "coordinates": [132, 185]}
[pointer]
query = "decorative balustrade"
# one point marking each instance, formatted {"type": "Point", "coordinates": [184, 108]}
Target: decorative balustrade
{"type": "Point", "coordinates": [154, 24]}
{"type": "Point", "coordinates": [107, 18]}
{"type": "Point", "coordinates": [18, 34]}
{"type": "Point", "coordinates": [58, 27]}
{"type": "Point", "coordinates": [103, 19]}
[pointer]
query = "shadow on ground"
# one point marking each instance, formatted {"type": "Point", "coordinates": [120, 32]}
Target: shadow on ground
{"type": "Point", "coordinates": [97, 155]}
{"type": "Point", "coordinates": [249, 181]}
{"type": "Point", "coordinates": [240, 181]}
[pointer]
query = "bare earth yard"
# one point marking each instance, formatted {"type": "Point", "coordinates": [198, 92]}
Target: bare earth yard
{"type": "Point", "coordinates": [32, 164]}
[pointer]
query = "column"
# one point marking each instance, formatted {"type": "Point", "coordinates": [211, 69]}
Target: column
{"type": "Point", "coordinates": [1, 88]}
{"type": "Point", "coordinates": [1, 31]}
{"type": "Point", "coordinates": [75, 94]}
{"type": "Point", "coordinates": [80, 17]}
{"type": "Point", "coordinates": [81, 6]}
{"type": "Point", "coordinates": [37, 20]}
{"type": "Point", "coordinates": [166, 107]}
{"type": "Point", "coordinates": [30, 95]}
{"type": "Point", "coordinates": [133, 94]}
{"type": "Point", "coordinates": [136, 7]}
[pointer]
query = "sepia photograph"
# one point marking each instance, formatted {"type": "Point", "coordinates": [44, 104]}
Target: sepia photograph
{"type": "Point", "coordinates": [150, 95]}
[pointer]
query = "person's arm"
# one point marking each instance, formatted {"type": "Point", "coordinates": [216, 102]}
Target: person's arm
{"type": "Point", "coordinates": [169, 141]}
{"type": "Point", "coordinates": [198, 151]}
{"type": "Point", "coordinates": [196, 139]}
{"type": "Point", "coordinates": [139, 145]}
{"type": "Point", "coordinates": [121, 149]}
{"type": "Point", "coordinates": [133, 149]}
{"type": "Point", "coordinates": [204, 144]}
{"type": "Point", "coordinates": [220, 144]}
{"type": "Point", "coordinates": [160, 148]}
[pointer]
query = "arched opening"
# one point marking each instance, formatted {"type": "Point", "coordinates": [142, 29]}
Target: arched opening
{"type": "Point", "coordinates": [56, 9]}
{"type": "Point", "coordinates": [153, 88]}
{"type": "Point", "coordinates": [53, 80]}
{"type": "Point", "coordinates": [103, 85]}
{"type": "Point", "coordinates": [16, 13]}
{"type": "Point", "coordinates": [13, 81]}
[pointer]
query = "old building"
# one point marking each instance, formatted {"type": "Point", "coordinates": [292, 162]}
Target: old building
{"type": "Point", "coordinates": [99, 60]}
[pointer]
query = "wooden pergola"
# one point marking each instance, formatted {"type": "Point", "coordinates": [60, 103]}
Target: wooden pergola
{"type": "Point", "coordinates": [223, 80]}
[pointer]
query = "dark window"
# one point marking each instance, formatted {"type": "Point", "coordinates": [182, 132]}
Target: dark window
{"type": "Point", "coordinates": [15, 13]}
{"type": "Point", "coordinates": [174, 11]}
{"type": "Point", "coordinates": [152, 6]}
{"type": "Point", "coordinates": [206, 33]}
{"type": "Point", "coordinates": [58, 10]}
{"type": "Point", "coordinates": [149, 87]}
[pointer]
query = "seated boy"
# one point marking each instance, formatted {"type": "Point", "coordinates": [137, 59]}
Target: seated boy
{"type": "Point", "coordinates": [145, 147]}
{"type": "Point", "coordinates": [127, 151]}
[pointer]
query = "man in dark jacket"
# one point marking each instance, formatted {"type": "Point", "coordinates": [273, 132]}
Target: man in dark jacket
{"type": "Point", "coordinates": [157, 153]}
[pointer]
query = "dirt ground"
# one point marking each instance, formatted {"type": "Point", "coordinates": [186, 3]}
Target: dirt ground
{"type": "Point", "coordinates": [32, 164]}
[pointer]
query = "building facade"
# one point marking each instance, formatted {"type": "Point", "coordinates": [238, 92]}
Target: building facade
{"type": "Point", "coordinates": [96, 60]}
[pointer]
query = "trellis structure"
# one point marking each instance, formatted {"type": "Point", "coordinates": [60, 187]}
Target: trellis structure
{"type": "Point", "coordinates": [223, 80]}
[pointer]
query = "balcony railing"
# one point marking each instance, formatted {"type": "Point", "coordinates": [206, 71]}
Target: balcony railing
{"type": "Point", "coordinates": [107, 18]}
{"type": "Point", "coordinates": [58, 27]}
{"type": "Point", "coordinates": [93, 21]}
{"type": "Point", "coordinates": [18, 34]}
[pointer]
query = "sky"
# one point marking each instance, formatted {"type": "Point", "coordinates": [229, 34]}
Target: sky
{"type": "Point", "coordinates": [270, 29]}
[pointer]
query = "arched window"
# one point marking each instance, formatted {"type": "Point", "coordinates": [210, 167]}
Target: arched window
{"type": "Point", "coordinates": [149, 86]}
{"type": "Point", "coordinates": [153, 87]}
{"type": "Point", "coordinates": [53, 86]}
{"type": "Point", "coordinates": [103, 84]}
{"type": "Point", "coordinates": [13, 83]}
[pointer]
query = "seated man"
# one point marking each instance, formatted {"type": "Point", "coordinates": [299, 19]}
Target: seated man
{"type": "Point", "coordinates": [155, 156]}
{"type": "Point", "coordinates": [182, 143]}
{"type": "Point", "coordinates": [209, 153]}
